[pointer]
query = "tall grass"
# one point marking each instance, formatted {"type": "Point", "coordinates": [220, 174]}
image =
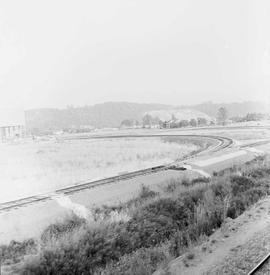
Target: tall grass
{"type": "Point", "coordinates": [159, 227]}
{"type": "Point", "coordinates": [32, 168]}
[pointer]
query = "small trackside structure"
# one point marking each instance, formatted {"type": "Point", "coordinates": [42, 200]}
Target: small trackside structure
{"type": "Point", "coordinates": [12, 124]}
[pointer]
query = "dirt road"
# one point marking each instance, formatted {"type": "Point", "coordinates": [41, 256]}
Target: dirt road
{"type": "Point", "coordinates": [233, 249]}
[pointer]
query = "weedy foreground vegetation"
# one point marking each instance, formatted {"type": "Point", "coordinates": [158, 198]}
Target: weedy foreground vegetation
{"type": "Point", "coordinates": [144, 234]}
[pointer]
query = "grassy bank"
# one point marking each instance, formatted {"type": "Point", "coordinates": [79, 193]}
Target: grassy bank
{"type": "Point", "coordinates": [142, 235]}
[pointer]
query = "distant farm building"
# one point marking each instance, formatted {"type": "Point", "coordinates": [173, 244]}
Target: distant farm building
{"type": "Point", "coordinates": [167, 124]}
{"type": "Point", "coordinates": [12, 124]}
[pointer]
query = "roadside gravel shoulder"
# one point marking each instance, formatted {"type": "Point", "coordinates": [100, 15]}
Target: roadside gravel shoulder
{"type": "Point", "coordinates": [233, 249]}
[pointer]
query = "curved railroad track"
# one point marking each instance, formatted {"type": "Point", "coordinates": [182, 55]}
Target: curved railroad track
{"type": "Point", "coordinates": [221, 143]}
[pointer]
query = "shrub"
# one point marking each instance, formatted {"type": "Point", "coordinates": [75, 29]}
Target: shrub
{"type": "Point", "coordinates": [56, 230]}
{"type": "Point", "coordinates": [16, 250]}
{"type": "Point", "coordinates": [105, 211]}
{"type": "Point", "coordinates": [240, 184]}
{"type": "Point", "coordinates": [171, 186]}
{"type": "Point", "coordinates": [146, 193]}
{"type": "Point", "coordinates": [221, 188]}
{"type": "Point", "coordinates": [150, 230]}
{"type": "Point", "coordinates": [209, 213]}
{"type": "Point", "coordinates": [93, 249]}
{"type": "Point", "coordinates": [253, 195]}
{"type": "Point", "coordinates": [143, 261]}
{"type": "Point", "coordinates": [186, 182]}
{"type": "Point", "coordinates": [179, 241]}
{"type": "Point", "coordinates": [133, 246]}
{"type": "Point", "coordinates": [260, 173]}
{"type": "Point", "coordinates": [176, 210]}
{"type": "Point", "coordinates": [193, 196]}
{"type": "Point", "coordinates": [236, 208]}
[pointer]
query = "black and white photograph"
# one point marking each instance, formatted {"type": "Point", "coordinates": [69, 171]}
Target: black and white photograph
{"type": "Point", "coordinates": [134, 137]}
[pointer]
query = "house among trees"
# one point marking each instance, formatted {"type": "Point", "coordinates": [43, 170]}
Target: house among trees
{"type": "Point", "coordinates": [176, 119]}
{"type": "Point", "coordinates": [167, 124]}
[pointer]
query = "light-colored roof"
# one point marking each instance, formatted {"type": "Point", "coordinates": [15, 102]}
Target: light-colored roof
{"type": "Point", "coordinates": [11, 117]}
{"type": "Point", "coordinates": [179, 114]}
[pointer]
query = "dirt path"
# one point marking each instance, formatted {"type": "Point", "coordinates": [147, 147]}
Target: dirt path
{"type": "Point", "coordinates": [233, 249]}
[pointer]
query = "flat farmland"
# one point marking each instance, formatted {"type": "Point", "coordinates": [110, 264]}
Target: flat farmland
{"type": "Point", "coordinates": [242, 135]}
{"type": "Point", "coordinates": [245, 134]}
{"type": "Point", "coordinates": [43, 166]}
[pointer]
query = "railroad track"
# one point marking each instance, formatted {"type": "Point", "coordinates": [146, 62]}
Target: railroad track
{"type": "Point", "coordinates": [260, 265]}
{"type": "Point", "coordinates": [214, 137]}
{"type": "Point", "coordinates": [222, 143]}
{"type": "Point", "coordinates": [257, 143]}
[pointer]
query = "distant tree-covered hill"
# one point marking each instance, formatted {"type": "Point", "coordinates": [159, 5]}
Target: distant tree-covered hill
{"type": "Point", "coordinates": [233, 109]}
{"type": "Point", "coordinates": [111, 114]}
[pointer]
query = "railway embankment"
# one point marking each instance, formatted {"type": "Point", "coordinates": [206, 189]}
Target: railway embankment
{"type": "Point", "coordinates": [241, 244]}
{"type": "Point", "coordinates": [213, 144]}
{"type": "Point", "coordinates": [146, 233]}
{"type": "Point", "coordinates": [235, 249]}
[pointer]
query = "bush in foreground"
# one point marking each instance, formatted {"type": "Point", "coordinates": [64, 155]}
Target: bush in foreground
{"type": "Point", "coordinates": [133, 246]}
{"type": "Point", "coordinates": [16, 250]}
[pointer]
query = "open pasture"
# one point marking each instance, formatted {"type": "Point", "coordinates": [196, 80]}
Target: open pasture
{"type": "Point", "coordinates": [44, 166]}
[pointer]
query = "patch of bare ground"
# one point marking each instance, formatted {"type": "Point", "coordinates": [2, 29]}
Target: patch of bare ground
{"type": "Point", "coordinates": [235, 248]}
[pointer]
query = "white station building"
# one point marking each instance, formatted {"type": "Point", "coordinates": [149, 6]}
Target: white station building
{"type": "Point", "coordinates": [12, 124]}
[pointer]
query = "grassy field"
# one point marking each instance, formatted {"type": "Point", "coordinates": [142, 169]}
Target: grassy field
{"type": "Point", "coordinates": [144, 234]}
{"type": "Point", "coordinates": [246, 134]}
{"type": "Point", "coordinates": [44, 166]}
{"type": "Point", "coordinates": [237, 134]}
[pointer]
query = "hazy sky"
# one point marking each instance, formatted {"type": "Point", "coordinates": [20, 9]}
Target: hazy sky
{"type": "Point", "coordinates": [55, 53]}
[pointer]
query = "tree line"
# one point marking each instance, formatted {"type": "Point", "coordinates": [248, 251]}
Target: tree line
{"type": "Point", "coordinates": [149, 121]}
{"type": "Point", "coordinates": [222, 118]}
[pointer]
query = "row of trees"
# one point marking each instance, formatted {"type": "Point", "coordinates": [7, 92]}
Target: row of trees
{"type": "Point", "coordinates": [130, 123]}
{"type": "Point", "coordinates": [250, 117]}
{"type": "Point", "coordinates": [222, 119]}
{"type": "Point", "coordinates": [149, 121]}
{"type": "Point", "coordinates": [185, 123]}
